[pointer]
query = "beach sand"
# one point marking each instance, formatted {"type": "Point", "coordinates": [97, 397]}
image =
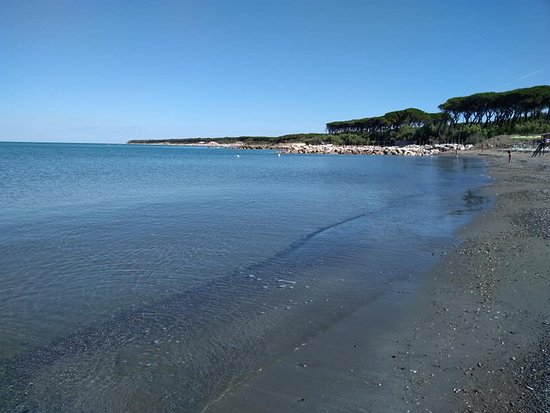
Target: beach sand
{"type": "Point", "coordinates": [473, 338]}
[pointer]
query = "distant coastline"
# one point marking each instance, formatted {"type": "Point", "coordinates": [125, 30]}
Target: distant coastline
{"type": "Point", "coordinates": [516, 143]}
{"type": "Point", "coordinates": [466, 121]}
{"type": "Point", "coordinates": [327, 149]}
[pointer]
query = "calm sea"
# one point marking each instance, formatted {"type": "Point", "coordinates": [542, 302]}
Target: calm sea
{"type": "Point", "coordinates": [150, 278]}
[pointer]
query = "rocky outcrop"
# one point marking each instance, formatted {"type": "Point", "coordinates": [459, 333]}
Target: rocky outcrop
{"type": "Point", "coordinates": [329, 149]}
{"type": "Point", "coordinates": [409, 150]}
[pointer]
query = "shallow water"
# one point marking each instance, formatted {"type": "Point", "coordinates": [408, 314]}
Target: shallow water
{"type": "Point", "coordinates": [145, 278]}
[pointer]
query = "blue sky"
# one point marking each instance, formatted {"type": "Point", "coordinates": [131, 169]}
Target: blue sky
{"type": "Point", "coordinates": [109, 71]}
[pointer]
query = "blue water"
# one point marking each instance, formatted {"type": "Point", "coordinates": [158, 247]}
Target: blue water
{"type": "Point", "coordinates": [128, 272]}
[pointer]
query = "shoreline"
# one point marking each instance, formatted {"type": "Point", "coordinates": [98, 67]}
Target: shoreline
{"type": "Point", "coordinates": [329, 149]}
{"type": "Point", "coordinates": [475, 338]}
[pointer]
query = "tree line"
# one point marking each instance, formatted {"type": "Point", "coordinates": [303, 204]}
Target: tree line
{"type": "Point", "coordinates": [484, 110]}
{"type": "Point", "coordinates": [467, 119]}
{"type": "Point", "coordinates": [413, 117]}
{"type": "Point", "coordinates": [499, 107]}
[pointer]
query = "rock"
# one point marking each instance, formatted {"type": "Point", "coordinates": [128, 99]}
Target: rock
{"type": "Point", "coordinates": [409, 150]}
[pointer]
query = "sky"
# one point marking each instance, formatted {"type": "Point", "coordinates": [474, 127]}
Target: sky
{"type": "Point", "coordinates": [113, 70]}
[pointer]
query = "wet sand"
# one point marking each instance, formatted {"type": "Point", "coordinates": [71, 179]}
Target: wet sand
{"type": "Point", "coordinates": [474, 338]}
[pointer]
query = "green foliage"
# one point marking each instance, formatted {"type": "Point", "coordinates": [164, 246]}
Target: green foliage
{"type": "Point", "coordinates": [388, 122]}
{"type": "Point", "coordinates": [466, 119]}
{"type": "Point", "coordinates": [467, 134]}
{"type": "Point", "coordinates": [492, 107]}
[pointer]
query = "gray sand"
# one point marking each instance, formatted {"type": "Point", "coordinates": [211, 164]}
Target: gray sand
{"type": "Point", "coordinates": [475, 338]}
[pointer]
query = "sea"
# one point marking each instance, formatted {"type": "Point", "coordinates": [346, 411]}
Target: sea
{"type": "Point", "coordinates": [151, 278]}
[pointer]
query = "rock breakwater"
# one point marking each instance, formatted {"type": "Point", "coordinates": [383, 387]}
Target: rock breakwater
{"type": "Point", "coordinates": [329, 149]}
{"type": "Point", "coordinates": [409, 150]}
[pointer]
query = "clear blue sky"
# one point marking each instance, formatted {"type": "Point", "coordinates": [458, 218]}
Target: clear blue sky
{"type": "Point", "coordinates": [109, 71]}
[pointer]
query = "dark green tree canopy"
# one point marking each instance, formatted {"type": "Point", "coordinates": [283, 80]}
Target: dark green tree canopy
{"type": "Point", "coordinates": [480, 110]}
{"type": "Point", "coordinates": [470, 118]}
{"type": "Point", "coordinates": [390, 121]}
{"type": "Point", "coordinates": [499, 107]}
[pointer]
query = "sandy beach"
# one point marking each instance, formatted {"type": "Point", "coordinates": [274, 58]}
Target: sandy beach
{"type": "Point", "coordinates": [473, 338]}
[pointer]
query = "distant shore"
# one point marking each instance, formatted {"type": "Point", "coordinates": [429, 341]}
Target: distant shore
{"type": "Point", "coordinates": [329, 149]}
{"type": "Point", "coordinates": [475, 339]}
